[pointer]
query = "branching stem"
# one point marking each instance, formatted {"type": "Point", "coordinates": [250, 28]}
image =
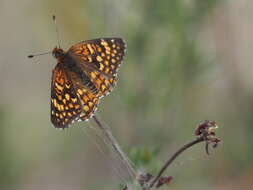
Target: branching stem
{"type": "Point", "coordinates": [204, 133]}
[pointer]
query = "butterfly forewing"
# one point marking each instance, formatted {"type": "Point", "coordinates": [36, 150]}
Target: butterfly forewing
{"type": "Point", "coordinates": [65, 105]}
{"type": "Point", "coordinates": [100, 60]}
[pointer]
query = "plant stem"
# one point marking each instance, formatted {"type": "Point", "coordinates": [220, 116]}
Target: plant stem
{"type": "Point", "coordinates": [173, 157]}
{"type": "Point", "coordinates": [107, 132]}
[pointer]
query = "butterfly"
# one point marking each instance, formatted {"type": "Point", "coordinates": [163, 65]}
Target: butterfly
{"type": "Point", "coordinates": [83, 74]}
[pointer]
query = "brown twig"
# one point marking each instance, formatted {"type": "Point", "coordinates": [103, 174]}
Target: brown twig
{"type": "Point", "coordinates": [173, 157]}
{"type": "Point", "coordinates": [205, 133]}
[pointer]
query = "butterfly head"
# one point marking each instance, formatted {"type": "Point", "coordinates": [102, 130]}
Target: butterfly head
{"type": "Point", "coordinates": [57, 52]}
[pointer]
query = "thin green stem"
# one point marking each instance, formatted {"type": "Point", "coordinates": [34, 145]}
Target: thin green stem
{"type": "Point", "coordinates": [116, 147]}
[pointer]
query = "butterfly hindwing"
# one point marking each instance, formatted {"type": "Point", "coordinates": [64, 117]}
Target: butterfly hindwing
{"type": "Point", "coordinates": [71, 99]}
{"type": "Point", "coordinates": [88, 97]}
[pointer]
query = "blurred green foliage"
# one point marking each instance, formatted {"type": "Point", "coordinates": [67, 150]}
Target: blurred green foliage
{"type": "Point", "coordinates": [145, 158]}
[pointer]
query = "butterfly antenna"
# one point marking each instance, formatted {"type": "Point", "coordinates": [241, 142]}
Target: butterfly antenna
{"type": "Point", "coordinates": [31, 56]}
{"type": "Point", "coordinates": [56, 28]}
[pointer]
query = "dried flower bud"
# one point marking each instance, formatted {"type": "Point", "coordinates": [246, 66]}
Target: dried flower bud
{"type": "Point", "coordinates": [164, 180]}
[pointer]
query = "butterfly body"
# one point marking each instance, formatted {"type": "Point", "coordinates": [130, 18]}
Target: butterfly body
{"type": "Point", "coordinates": [84, 74]}
{"type": "Point", "coordinates": [66, 59]}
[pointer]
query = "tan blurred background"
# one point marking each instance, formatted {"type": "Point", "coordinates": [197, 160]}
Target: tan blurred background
{"type": "Point", "coordinates": [187, 60]}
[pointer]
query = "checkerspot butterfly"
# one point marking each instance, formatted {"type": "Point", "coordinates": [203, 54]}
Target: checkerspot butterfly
{"type": "Point", "coordinates": [83, 74]}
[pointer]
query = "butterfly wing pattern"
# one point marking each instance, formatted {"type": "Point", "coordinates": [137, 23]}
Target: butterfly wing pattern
{"type": "Point", "coordinates": [76, 89]}
{"type": "Point", "coordinates": [65, 106]}
{"type": "Point", "coordinates": [102, 59]}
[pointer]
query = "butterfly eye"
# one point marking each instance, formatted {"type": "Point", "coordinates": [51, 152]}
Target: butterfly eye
{"type": "Point", "coordinates": [57, 52]}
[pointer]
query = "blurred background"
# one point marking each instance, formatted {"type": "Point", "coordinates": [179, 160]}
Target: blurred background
{"type": "Point", "coordinates": [187, 61]}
